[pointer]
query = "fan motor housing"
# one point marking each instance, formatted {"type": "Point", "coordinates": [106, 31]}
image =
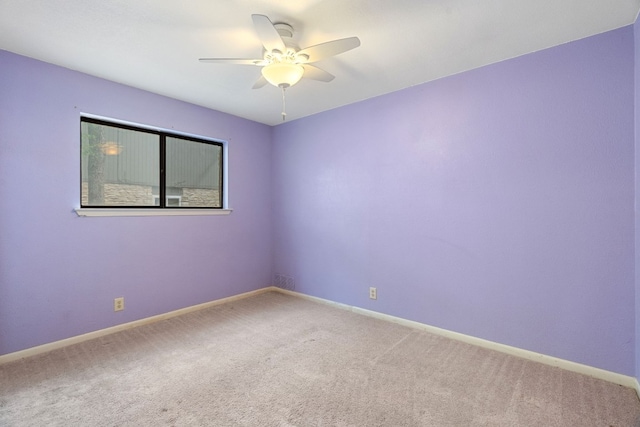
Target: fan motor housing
{"type": "Point", "coordinates": [286, 33]}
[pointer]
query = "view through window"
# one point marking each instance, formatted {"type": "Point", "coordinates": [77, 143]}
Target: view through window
{"type": "Point", "coordinates": [124, 166]}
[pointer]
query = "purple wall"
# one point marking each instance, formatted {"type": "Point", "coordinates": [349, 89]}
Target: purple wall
{"type": "Point", "coordinates": [498, 202]}
{"type": "Point", "coordinates": [59, 273]}
{"type": "Point", "coordinates": [636, 32]}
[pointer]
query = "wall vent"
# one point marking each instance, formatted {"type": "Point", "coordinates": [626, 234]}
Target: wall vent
{"type": "Point", "coordinates": [284, 282]}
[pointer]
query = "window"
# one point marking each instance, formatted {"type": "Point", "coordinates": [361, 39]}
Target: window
{"type": "Point", "coordinates": [124, 166]}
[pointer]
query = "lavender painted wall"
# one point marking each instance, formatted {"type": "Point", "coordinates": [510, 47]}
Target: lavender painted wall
{"type": "Point", "coordinates": [497, 203]}
{"type": "Point", "coordinates": [59, 273]}
{"type": "Point", "coordinates": [636, 32]}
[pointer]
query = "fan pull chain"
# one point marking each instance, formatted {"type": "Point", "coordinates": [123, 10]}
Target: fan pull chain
{"type": "Point", "coordinates": [284, 114]}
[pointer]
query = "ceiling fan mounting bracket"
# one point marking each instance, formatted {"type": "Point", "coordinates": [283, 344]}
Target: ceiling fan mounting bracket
{"type": "Point", "coordinates": [285, 30]}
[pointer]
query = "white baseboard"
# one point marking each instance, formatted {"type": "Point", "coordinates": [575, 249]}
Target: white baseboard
{"type": "Point", "coordinates": [591, 371]}
{"type": "Point", "coordinates": [623, 380]}
{"type": "Point", "coordinates": [102, 332]}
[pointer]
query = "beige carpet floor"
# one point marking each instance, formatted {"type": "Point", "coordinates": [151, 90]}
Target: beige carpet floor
{"type": "Point", "coordinates": [278, 360]}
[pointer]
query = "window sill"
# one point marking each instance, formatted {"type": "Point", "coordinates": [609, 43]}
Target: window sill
{"type": "Point", "coordinates": [150, 212]}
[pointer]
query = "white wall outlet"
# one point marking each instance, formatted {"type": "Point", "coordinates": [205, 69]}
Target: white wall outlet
{"type": "Point", "coordinates": [373, 293]}
{"type": "Point", "coordinates": [118, 304]}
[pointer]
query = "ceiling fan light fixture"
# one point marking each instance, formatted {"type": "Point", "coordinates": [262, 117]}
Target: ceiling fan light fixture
{"type": "Point", "coordinates": [283, 74]}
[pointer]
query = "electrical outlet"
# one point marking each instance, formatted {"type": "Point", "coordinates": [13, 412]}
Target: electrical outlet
{"type": "Point", "coordinates": [373, 293]}
{"type": "Point", "coordinates": [118, 304]}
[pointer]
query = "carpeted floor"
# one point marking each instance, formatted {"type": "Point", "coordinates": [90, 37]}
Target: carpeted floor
{"type": "Point", "coordinates": [279, 360]}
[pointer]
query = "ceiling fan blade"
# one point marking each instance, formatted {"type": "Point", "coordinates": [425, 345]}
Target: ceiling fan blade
{"type": "Point", "coordinates": [324, 50]}
{"type": "Point", "coordinates": [241, 61]}
{"type": "Point", "coordinates": [315, 73]}
{"type": "Point", "coordinates": [260, 83]}
{"type": "Point", "coordinates": [268, 34]}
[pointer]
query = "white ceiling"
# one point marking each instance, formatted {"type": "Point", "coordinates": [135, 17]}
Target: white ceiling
{"type": "Point", "coordinates": [155, 44]}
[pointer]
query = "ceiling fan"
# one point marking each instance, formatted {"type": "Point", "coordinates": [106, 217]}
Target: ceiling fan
{"type": "Point", "coordinates": [283, 62]}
